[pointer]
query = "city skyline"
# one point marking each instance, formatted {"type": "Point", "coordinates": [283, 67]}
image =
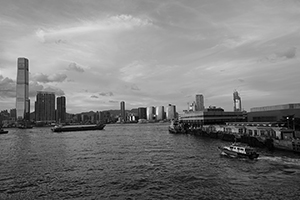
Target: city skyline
{"type": "Point", "coordinates": [146, 53]}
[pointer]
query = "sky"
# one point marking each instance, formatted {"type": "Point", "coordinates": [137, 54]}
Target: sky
{"type": "Point", "coordinates": [98, 53]}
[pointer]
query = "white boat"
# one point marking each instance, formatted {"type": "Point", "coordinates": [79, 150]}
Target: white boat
{"type": "Point", "coordinates": [239, 150]}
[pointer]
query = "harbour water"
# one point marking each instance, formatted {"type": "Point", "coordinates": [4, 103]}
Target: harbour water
{"type": "Point", "coordinates": [137, 161]}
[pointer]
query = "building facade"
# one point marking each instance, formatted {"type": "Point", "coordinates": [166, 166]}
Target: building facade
{"type": "Point", "coordinates": [142, 113]}
{"type": "Point", "coordinates": [123, 113]}
{"type": "Point", "coordinates": [45, 106]}
{"type": "Point", "coordinates": [160, 112]}
{"type": "Point", "coordinates": [61, 109]}
{"type": "Point", "coordinates": [274, 113]}
{"type": "Point", "coordinates": [171, 112]}
{"type": "Point", "coordinates": [237, 102]}
{"type": "Point", "coordinates": [199, 102]}
{"type": "Point", "coordinates": [150, 113]}
{"type": "Point", "coordinates": [22, 90]}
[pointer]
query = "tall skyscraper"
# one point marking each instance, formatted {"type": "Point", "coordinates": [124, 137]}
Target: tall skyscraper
{"type": "Point", "coordinates": [22, 90]}
{"type": "Point", "coordinates": [61, 109]}
{"type": "Point", "coordinates": [123, 114]}
{"type": "Point", "coordinates": [160, 112]}
{"type": "Point", "coordinates": [150, 113]}
{"type": "Point", "coordinates": [199, 102]}
{"type": "Point", "coordinates": [171, 112]}
{"type": "Point", "coordinates": [45, 106]}
{"type": "Point", "coordinates": [237, 102]}
{"type": "Point", "coordinates": [142, 113]}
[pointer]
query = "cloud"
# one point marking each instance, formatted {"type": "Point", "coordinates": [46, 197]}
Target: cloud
{"type": "Point", "coordinates": [135, 87]}
{"type": "Point", "coordinates": [7, 87]}
{"type": "Point", "coordinates": [288, 53]}
{"type": "Point", "coordinates": [112, 101]}
{"type": "Point", "coordinates": [57, 91]}
{"type": "Point", "coordinates": [48, 78]}
{"type": "Point", "coordinates": [106, 94]}
{"type": "Point", "coordinates": [111, 23]}
{"type": "Point", "coordinates": [75, 67]}
{"type": "Point", "coordinates": [35, 86]}
{"type": "Point", "coordinates": [94, 97]}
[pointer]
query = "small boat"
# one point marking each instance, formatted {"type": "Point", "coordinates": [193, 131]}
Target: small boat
{"type": "Point", "coordinates": [61, 128]}
{"type": "Point", "coordinates": [239, 150]}
{"type": "Point", "coordinates": [175, 127]}
{"type": "Point", "coordinates": [3, 131]}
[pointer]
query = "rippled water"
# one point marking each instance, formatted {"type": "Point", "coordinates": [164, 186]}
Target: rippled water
{"type": "Point", "coordinates": [137, 162]}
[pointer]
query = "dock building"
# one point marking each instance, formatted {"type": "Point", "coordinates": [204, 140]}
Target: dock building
{"type": "Point", "coordinates": [274, 113]}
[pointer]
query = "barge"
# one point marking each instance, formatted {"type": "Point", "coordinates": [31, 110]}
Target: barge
{"type": "Point", "coordinates": [60, 128]}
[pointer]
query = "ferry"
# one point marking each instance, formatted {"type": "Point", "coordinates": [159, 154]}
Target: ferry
{"type": "Point", "coordinates": [61, 128]}
{"type": "Point", "coordinates": [239, 150]}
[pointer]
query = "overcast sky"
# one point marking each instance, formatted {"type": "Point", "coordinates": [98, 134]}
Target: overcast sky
{"type": "Point", "coordinates": [152, 52]}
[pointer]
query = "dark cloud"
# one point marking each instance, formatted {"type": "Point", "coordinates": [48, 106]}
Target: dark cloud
{"type": "Point", "coordinates": [241, 80]}
{"type": "Point", "coordinates": [75, 67]}
{"type": "Point", "coordinates": [42, 78]}
{"type": "Point", "coordinates": [135, 87]}
{"type": "Point", "coordinates": [107, 94]}
{"type": "Point", "coordinates": [7, 87]}
{"type": "Point", "coordinates": [288, 53]}
{"type": "Point", "coordinates": [94, 97]}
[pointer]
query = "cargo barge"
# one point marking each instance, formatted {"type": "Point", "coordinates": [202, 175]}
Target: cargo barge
{"type": "Point", "coordinates": [60, 128]}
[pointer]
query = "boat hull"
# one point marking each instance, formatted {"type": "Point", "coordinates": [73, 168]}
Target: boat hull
{"type": "Point", "coordinates": [3, 132]}
{"type": "Point", "coordinates": [78, 128]}
{"type": "Point", "coordinates": [229, 153]}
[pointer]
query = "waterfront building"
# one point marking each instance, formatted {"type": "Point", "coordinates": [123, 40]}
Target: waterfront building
{"type": "Point", "coordinates": [142, 113]}
{"type": "Point", "coordinates": [150, 113]}
{"type": "Point", "coordinates": [237, 102]}
{"type": "Point", "coordinates": [61, 109]}
{"type": "Point", "coordinates": [45, 106]}
{"type": "Point", "coordinates": [274, 113]}
{"type": "Point", "coordinates": [211, 115]}
{"type": "Point", "coordinates": [171, 112]}
{"type": "Point", "coordinates": [123, 113]}
{"type": "Point", "coordinates": [199, 102]}
{"type": "Point", "coordinates": [13, 114]}
{"type": "Point", "coordinates": [159, 112]}
{"type": "Point", "coordinates": [22, 90]}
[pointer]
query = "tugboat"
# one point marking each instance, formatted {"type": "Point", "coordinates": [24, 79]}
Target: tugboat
{"type": "Point", "coordinates": [238, 150]}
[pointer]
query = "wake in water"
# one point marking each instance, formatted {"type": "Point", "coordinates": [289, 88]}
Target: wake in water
{"type": "Point", "coordinates": [281, 160]}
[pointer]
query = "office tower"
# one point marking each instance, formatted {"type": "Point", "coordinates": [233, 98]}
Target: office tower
{"type": "Point", "coordinates": [22, 90]}
{"type": "Point", "coordinates": [123, 114]}
{"type": "Point", "coordinates": [199, 102]}
{"type": "Point", "coordinates": [150, 113]}
{"type": "Point", "coordinates": [45, 106]}
{"type": "Point", "coordinates": [160, 112]}
{"type": "Point", "coordinates": [61, 109]}
{"type": "Point", "coordinates": [237, 102]}
{"type": "Point", "coordinates": [142, 113]}
{"type": "Point", "coordinates": [171, 112]}
{"type": "Point", "coordinates": [13, 114]}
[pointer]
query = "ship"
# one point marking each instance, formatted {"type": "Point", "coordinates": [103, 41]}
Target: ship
{"type": "Point", "coordinates": [3, 131]}
{"type": "Point", "coordinates": [238, 150]}
{"type": "Point", "coordinates": [68, 128]}
{"type": "Point", "coordinates": [176, 127]}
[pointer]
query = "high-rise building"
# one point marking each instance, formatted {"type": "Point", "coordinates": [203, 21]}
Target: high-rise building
{"type": "Point", "coordinates": [171, 112]}
{"type": "Point", "coordinates": [160, 112]}
{"type": "Point", "coordinates": [150, 113]}
{"type": "Point", "coordinates": [123, 114]}
{"type": "Point", "coordinates": [45, 106]}
{"type": "Point", "coordinates": [237, 102]}
{"type": "Point", "coordinates": [199, 102]}
{"type": "Point", "coordinates": [142, 113]}
{"type": "Point", "coordinates": [61, 109]}
{"type": "Point", "coordinates": [22, 90]}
